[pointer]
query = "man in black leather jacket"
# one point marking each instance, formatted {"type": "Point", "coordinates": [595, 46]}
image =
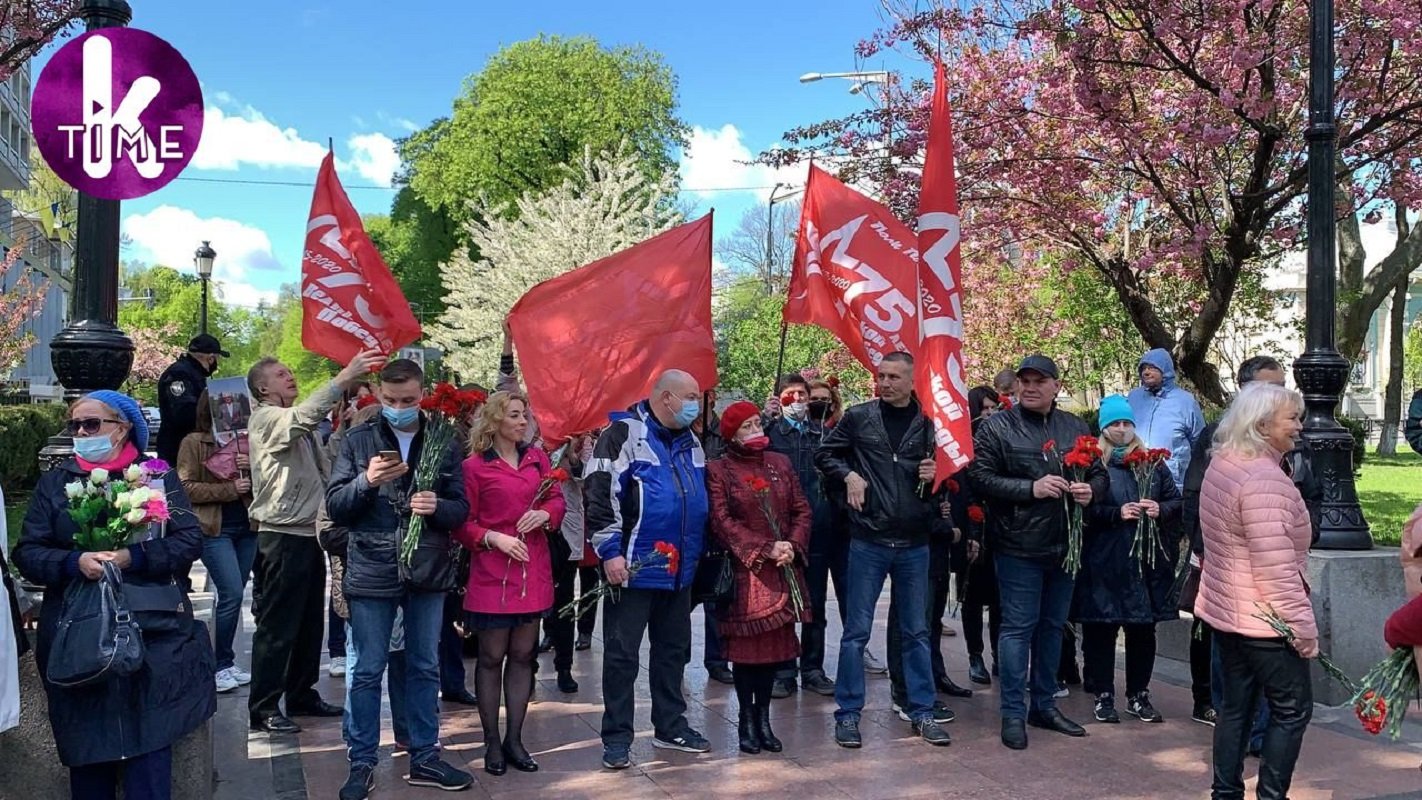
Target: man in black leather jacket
{"type": "Point", "coordinates": [1017, 469]}
{"type": "Point", "coordinates": [883, 452]}
{"type": "Point", "coordinates": [372, 496]}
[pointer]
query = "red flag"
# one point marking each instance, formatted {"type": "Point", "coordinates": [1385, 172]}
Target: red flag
{"type": "Point", "coordinates": [594, 340]}
{"type": "Point", "coordinates": [938, 374]}
{"type": "Point", "coordinates": [349, 300]}
{"type": "Point", "coordinates": [854, 271]}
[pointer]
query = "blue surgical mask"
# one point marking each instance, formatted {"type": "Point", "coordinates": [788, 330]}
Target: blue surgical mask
{"type": "Point", "coordinates": [401, 418]}
{"type": "Point", "coordinates": [690, 410]}
{"type": "Point", "coordinates": [93, 449]}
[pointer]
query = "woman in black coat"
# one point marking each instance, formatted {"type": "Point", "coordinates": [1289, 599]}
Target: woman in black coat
{"type": "Point", "coordinates": [976, 578]}
{"type": "Point", "coordinates": [1114, 589]}
{"type": "Point", "coordinates": [122, 729]}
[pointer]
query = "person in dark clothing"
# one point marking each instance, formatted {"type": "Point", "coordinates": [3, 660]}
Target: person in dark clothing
{"type": "Point", "coordinates": [977, 581]}
{"type": "Point", "coordinates": [796, 434]}
{"type": "Point", "coordinates": [883, 451]}
{"type": "Point", "coordinates": [1017, 470]}
{"type": "Point", "coordinates": [179, 388]}
{"type": "Point", "coordinates": [1412, 430]}
{"type": "Point", "coordinates": [707, 429]}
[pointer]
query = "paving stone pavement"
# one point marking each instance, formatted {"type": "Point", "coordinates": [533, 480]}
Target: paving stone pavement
{"type": "Point", "coordinates": [1129, 760]}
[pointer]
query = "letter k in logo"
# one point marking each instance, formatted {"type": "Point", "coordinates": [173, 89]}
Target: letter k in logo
{"type": "Point", "coordinates": [105, 129]}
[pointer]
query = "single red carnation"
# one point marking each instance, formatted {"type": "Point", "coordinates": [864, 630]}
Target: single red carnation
{"type": "Point", "coordinates": [952, 486]}
{"type": "Point", "coordinates": [758, 484]}
{"type": "Point", "coordinates": [1049, 446]}
{"type": "Point", "coordinates": [975, 514]}
{"type": "Point", "coordinates": [558, 474]}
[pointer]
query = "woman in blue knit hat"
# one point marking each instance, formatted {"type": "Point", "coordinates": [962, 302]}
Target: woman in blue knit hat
{"type": "Point", "coordinates": [1117, 589]}
{"type": "Point", "coordinates": [119, 731]}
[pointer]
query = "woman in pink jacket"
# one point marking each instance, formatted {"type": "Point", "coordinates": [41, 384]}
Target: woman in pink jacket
{"type": "Point", "coordinates": [511, 570]}
{"type": "Point", "coordinates": [1256, 531]}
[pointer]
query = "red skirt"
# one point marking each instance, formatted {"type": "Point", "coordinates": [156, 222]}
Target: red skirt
{"type": "Point", "coordinates": [770, 647]}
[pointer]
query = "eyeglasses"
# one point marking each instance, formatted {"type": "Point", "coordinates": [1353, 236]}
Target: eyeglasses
{"type": "Point", "coordinates": [88, 425]}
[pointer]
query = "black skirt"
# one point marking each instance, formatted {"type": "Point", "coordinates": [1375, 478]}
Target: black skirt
{"type": "Point", "coordinates": [480, 621]}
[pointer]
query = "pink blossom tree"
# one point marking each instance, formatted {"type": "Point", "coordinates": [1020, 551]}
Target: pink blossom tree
{"type": "Point", "coordinates": [28, 25]}
{"type": "Point", "coordinates": [21, 300]}
{"type": "Point", "coordinates": [1161, 144]}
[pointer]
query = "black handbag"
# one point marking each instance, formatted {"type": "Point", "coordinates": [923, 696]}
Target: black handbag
{"type": "Point", "coordinates": [96, 638]}
{"type": "Point", "coordinates": [715, 581]}
{"type": "Point", "coordinates": [434, 565]}
{"type": "Point", "coordinates": [159, 608]}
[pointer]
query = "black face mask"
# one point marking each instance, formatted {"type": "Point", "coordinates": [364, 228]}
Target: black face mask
{"type": "Point", "coordinates": [820, 409]}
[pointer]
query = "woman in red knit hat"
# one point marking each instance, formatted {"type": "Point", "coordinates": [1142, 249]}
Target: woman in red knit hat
{"type": "Point", "coordinates": [760, 515]}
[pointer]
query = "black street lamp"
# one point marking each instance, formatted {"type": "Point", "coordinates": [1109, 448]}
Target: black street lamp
{"type": "Point", "coordinates": [202, 259]}
{"type": "Point", "coordinates": [1321, 372]}
{"type": "Point", "coordinates": [92, 353]}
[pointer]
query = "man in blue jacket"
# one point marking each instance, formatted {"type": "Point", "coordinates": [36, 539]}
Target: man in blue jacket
{"type": "Point", "coordinates": [646, 484]}
{"type": "Point", "coordinates": [1166, 415]}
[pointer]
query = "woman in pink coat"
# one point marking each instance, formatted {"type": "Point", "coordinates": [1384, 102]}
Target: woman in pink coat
{"type": "Point", "coordinates": [511, 569]}
{"type": "Point", "coordinates": [1256, 531]}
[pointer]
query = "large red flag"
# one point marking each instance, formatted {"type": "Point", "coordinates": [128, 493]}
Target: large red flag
{"type": "Point", "coordinates": [854, 272]}
{"type": "Point", "coordinates": [594, 340]}
{"type": "Point", "coordinates": [938, 374]}
{"type": "Point", "coordinates": [349, 300]}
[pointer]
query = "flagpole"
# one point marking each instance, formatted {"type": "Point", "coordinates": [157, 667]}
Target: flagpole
{"type": "Point", "coordinates": [780, 360]}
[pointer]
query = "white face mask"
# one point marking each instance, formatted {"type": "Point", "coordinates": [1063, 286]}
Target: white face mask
{"type": "Point", "coordinates": [797, 409]}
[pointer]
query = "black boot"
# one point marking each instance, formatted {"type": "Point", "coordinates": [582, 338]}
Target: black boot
{"type": "Point", "coordinates": [768, 742]}
{"type": "Point", "coordinates": [978, 671]}
{"type": "Point", "coordinates": [750, 741]}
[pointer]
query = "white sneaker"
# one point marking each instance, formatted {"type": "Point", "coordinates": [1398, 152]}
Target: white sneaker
{"type": "Point", "coordinates": [225, 681]}
{"type": "Point", "coordinates": [242, 676]}
{"type": "Point", "coordinates": [337, 668]}
{"type": "Point", "coordinates": [873, 665]}
{"type": "Point", "coordinates": [1062, 691]}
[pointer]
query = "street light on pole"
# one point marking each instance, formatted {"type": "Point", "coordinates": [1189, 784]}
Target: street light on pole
{"type": "Point", "coordinates": [863, 79]}
{"type": "Point", "coordinates": [202, 260]}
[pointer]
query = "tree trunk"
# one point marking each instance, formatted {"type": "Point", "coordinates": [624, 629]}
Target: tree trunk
{"type": "Point", "coordinates": [1392, 400]}
{"type": "Point", "coordinates": [1356, 312]}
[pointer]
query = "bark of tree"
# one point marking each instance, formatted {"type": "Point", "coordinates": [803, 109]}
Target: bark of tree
{"type": "Point", "coordinates": [1397, 332]}
{"type": "Point", "coordinates": [1359, 296]}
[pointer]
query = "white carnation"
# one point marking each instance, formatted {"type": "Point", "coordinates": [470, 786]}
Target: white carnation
{"type": "Point", "coordinates": [74, 490]}
{"type": "Point", "coordinates": [99, 475]}
{"type": "Point", "coordinates": [136, 516]}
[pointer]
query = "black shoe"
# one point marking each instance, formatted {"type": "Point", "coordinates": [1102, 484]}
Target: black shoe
{"type": "Point", "coordinates": [438, 775]}
{"type": "Point", "coordinates": [1138, 706]}
{"type": "Point", "coordinates": [584, 642]}
{"type": "Point", "coordinates": [1204, 714]}
{"type": "Point", "coordinates": [769, 742]}
{"type": "Point", "coordinates": [1106, 708]}
{"type": "Point", "coordinates": [746, 732]}
{"type": "Point", "coordinates": [1054, 720]}
{"type": "Point", "coordinates": [932, 733]}
{"type": "Point", "coordinates": [977, 671]}
{"type": "Point", "coordinates": [616, 756]}
{"type": "Point", "coordinates": [494, 763]}
{"type": "Point", "coordinates": [566, 684]}
{"type": "Point", "coordinates": [720, 673]}
{"type": "Point", "coordinates": [546, 646]}
{"type": "Point", "coordinates": [846, 734]}
{"type": "Point", "coordinates": [522, 763]}
{"type": "Point", "coordinates": [782, 688]}
{"type": "Point", "coordinates": [360, 782]}
{"type": "Point", "coordinates": [320, 708]}
{"type": "Point", "coordinates": [274, 723]}
{"type": "Point", "coordinates": [463, 697]}
{"type": "Point", "coordinates": [945, 685]}
{"type": "Point", "coordinates": [1014, 734]}
{"type": "Point", "coordinates": [941, 714]}
{"type": "Point", "coordinates": [690, 741]}
{"type": "Point", "coordinates": [818, 683]}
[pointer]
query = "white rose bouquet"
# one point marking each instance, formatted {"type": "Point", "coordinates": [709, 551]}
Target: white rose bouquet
{"type": "Point", "coordinates": [112, 511]}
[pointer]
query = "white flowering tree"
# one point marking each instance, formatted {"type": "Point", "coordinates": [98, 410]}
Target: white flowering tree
{"type": "Point", "coordinates": [605, 205]}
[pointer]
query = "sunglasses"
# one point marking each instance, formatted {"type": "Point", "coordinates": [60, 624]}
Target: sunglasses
{"type": "Point", "coordinates": [88, 425]}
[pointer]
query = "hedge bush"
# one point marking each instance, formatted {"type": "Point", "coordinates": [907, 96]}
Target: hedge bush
{"type": "Point", "coordinates": [23, 433]}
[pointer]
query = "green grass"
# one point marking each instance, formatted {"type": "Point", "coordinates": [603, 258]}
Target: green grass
{"type": "Point", "coordinates": [1389, 489]}
{"type": "Point", "coordinates": [15, 514]}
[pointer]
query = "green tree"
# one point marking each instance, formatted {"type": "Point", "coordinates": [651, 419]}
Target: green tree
{"type": "Point", "coordinates": [540, 104]}
{"type": "Point", "coordinates": [416, 239]}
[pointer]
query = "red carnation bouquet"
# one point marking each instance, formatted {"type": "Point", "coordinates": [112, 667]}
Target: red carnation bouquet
{"type": "Point", "coordinates": [443, 408]}
{"type": "Point", "coordinates": [1075, 463]}
{"type": "Point", "coordinates": [1142, 464]}
{"type": "Point", "coordinates": [663, 554]}
{"type": "Point", "coordinates": [1382, 698]}
{"type": "Point", "coordinates": [761, 487]}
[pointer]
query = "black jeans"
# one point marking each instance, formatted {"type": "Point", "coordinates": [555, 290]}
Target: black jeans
{"type": "Point", "coordinates": [665, 616]}
{"type": "Point", "coordinates": [1201, 637]}
{"type": "Point", "coordinates": [1098, 657]}
{"type": "Point", "coordinates": [149, 776]}
{"type": "Point", "coordinates": [286, 648]}
{"type": "Point", "coordinates": [828, 559]}
{"type": "Point", "coordinates": [588, 579]}
{"type": "Point", "coordinates": [559, 628]}
{"type": "Point", "coordinates": [452, 675]}
{"type": "Point", "coordinates": [973, 628]}
{"type": "Point", "coordinates": [1252, 667]}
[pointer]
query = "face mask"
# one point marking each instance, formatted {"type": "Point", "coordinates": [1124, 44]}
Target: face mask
{"type": "Point", "coordinates": [585, 454]}
{"type": "Point", "coordinates": [93, 448]}
{"type": "Point", "coordinates": [690, 410]}
{"type": "Point", "coordinates": [756, 443]}
{"type": "Point", "coordinates": [400, 418]}
{"type": "Point", "coordinates": [819, 409]}
{"type": "Point", "coordinates": [797, 410]}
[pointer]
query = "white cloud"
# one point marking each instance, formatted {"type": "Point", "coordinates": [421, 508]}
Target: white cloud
{"type": "Point", "coordinates": [718, 159]}
{"type": "Point", "coordinates": [244, 137]}
{"type": "Point", "coordinates": [373, 156]}
{"type": "Point", "coordinates": [168, 235]}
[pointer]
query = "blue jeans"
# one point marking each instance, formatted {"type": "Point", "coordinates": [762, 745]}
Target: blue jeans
{"type": "Point", "coordinates": [1261, 716]}
{"type": "Point", "coordinates": [228, 557]}
{"type": "Point", "coordinates": [372, 620]}
{"type": "Point", "coordinates": [395, 685]}
{"type": "Point", "coordinates": [907, 568]}
{"type": "Point", "coordinates": [1036, 598]}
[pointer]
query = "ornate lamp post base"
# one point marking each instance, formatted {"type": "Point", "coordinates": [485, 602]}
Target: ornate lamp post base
{"type": "Point", "coordinates": [1321, 375]}
{"type": "Point", "coordinates": [87, 356]}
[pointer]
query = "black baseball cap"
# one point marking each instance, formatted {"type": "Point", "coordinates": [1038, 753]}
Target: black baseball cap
{"type": "Point", "coordinates": [207, 343]}
{"type": "Point", "coordinates": [1039, 363]}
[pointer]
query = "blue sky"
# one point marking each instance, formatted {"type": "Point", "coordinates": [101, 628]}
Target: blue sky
{"type": "Point", "coordinates": [279, 78]}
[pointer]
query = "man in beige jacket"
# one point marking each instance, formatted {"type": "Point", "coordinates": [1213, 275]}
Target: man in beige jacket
{"type": "Point", "coordinates": [288, 484]}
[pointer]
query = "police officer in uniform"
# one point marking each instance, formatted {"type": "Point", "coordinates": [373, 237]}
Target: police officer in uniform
{"type": "Point", "coordinates": [178, 390]}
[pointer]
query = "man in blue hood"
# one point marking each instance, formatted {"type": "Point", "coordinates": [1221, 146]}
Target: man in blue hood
{"type": "Point", "coordinates": [1167, 416]}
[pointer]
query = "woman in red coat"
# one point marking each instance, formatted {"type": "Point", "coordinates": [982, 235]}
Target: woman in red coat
{"type": "Point", "coordinates": [510, 570]}
{"type": "Point", "coordinates": [758, 629]}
